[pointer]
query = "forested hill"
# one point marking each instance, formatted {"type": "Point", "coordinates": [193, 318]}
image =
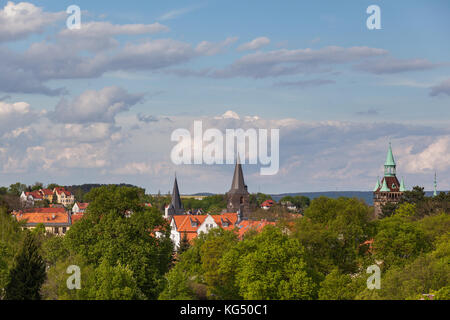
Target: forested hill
{"type": "Point", "coordinates": [367, 196]}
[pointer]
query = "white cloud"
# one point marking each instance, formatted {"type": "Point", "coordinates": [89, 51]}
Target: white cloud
{"type": "Point", "coordinates": [441, 88]}
{"type": "Point", "coordinates": [435, 156]}
{"type": "Point", "coordinates": [313, 155]}
{"type": "Point", "coordinates": [96, 106]}
{"type": "Point", "coordinates": [254, 44]}
{"type": "Point", "coordinates": [98, 36]}
{"type": "Point", "coordinates": [213, 48]}
{"type": "Point", "coordinates": [15, 115]}
{"type": "Point", "coordinates": [20, 20]}
{"type": "Point", "coordinates": [287, 62]}
{"type": "Point", "coordinates": [391, 65]}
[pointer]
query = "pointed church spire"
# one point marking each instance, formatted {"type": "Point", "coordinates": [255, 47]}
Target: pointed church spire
{"type": "Point", "coordinates": [238, 183]}
{"type": "Point", "coordinates": [389, 165]}
{"type": "Point", "coordinates": [384, 187]}
{"type": "Point", "coordinates": [176, 206]}
{"type": "Point", "coordinates": [377, 186]}
{"type": "Point", "coordinates": [238, 198]}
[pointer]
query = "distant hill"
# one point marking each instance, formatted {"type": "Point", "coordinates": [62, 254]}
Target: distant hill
{"type": "Point", "coordinates": [363, 195]}
{"type": "Point", "coordinates": [366, 196]}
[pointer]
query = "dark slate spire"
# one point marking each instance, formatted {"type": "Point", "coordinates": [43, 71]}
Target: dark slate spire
{"type": "Point", "coordinates": [238, 184]}
{"type": "Point", "coordinates": [176, 206]}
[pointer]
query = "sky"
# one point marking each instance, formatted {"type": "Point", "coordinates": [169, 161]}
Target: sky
{"type": "Point", "coordinates": [99, 104]}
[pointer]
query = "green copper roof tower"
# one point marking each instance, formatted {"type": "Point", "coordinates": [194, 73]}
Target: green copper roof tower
{"type": "Point", "coordinates": [389, 165]}
{"type": "Point", "coordinates": [384, 188]}
{"type": "Point", "coordinates": [378, 185]}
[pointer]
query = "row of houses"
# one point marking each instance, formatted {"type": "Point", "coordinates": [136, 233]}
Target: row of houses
{"type": "Point", "coordinates": [56, 220]}
{"type": "Point", "coordinates": [63, 196]}
{"type": "Point", "coordinates": [191, 226]}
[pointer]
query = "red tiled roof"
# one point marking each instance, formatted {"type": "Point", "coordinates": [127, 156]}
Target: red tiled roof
{"type": "Point", "coordinates": [35, 194]}
{"type": "Point", "coordinates": [230, 218]}
{"type": "Point", "coordinates": [43, 217]}
{"type": "Point", "coordinates": [268, 203]}
{"type": "Point", "coordinates": [60, 190]}
{"type": "Point", "coordinates": [184, 223]}
{"type": "Point", "coordinates": [45, 210]}
{"type": "Point", "coordinates": [246, 225]}
{"type": "Point", "coordinates": [82, 205]}
{"type": "Point", "coordinates": [76, 217]}
{"type": "Point", "coordinates": [46, 192]}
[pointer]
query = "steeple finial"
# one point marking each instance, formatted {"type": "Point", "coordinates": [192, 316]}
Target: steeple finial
{"type": "Point", "coordinates": [435, 185]}
{"type": "Point", "coordinates": [402, 186]}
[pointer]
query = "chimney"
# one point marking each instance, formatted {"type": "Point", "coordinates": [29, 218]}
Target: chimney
{"type": "Point", "coordinates": [239, 216]}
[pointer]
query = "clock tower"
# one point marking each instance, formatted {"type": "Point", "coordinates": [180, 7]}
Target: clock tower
{"type": "Point", "coordinates": [389, 189]}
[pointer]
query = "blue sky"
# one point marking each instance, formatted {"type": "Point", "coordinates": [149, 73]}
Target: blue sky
{"type": "Point", "coordinates": [317, 64]}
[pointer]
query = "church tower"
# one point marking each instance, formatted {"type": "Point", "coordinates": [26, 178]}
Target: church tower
{"type": "Point", "coordinates": [389, 189]}
{"type": "Point", "coordinates": [238, 198]}
{"type": "Point", "coordinates": [176, 206]}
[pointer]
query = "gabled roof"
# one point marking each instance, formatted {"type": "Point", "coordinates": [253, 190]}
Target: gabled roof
{"type": "Point", "coordinates": [35, 194]}
{"type": "Point", "coordinates": [60, 190]}
{"type": "Point", "coordinates": [191, 223]}
{"type": "Point", "coordinates": [389, 184]}
{"type": "Point", "coordinates": [226, 221]}
{"type": "Point", "coordinates": [82, 205]}
{"type": "Point", "coordinates": [183, 222]}
{"type": "Point", "coordinates": [46, 192]}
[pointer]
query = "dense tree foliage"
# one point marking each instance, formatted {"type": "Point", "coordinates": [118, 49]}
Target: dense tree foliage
{"type": "Point", "coordinates": [124, 251]}
{"type": "Point", "coordinates": [10, 239]}
{"type": "Point", "coordinates": [323, 255]}
{"type": "Point", "coordinates": [28, 272]}
{"type": "Point", "coordinates": [301, 202]}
